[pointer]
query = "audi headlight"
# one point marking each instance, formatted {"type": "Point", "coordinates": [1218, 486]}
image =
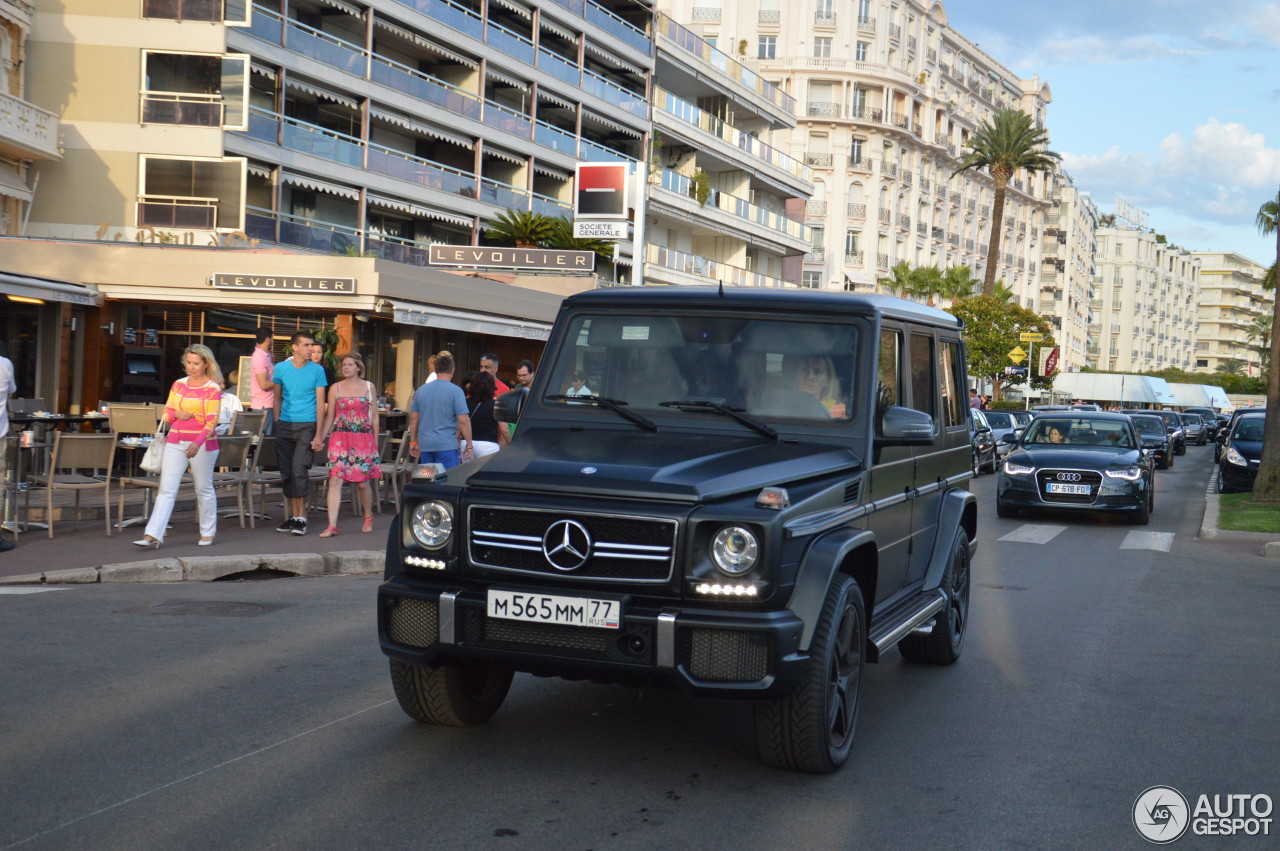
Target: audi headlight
{"type": "Point", "coordinates": [1234, 457]}
{"type": "Point", "coordinates": [735, 550]}
{"type": "Point", "coordinates": [1129, 474]}
{"type": "Point", "coordinates": [431, 524]}
{"type": "Point", "coordinates": [1013, 469]}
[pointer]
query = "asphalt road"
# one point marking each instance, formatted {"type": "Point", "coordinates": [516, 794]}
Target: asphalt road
{"type": "Point", "coordinates": [260, 715]}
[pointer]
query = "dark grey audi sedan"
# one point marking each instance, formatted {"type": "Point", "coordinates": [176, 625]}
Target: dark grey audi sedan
{"type": "Point", "coordinates": [1081, 461]}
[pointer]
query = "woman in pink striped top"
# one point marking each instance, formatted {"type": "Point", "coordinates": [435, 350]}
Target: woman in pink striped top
{"type": "Point", "coordinates": [192, 414]}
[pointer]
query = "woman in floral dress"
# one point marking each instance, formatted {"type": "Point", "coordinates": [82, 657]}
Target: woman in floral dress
{"type": "Point", "coordinates": [351, 426]}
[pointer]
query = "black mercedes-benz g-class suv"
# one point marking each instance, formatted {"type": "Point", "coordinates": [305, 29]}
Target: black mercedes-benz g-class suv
{"type": "Point", "coordinates": [759, 492]}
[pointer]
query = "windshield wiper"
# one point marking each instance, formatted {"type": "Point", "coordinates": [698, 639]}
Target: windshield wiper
{"type": "Point", "coordinates": [738, 414]}
{"type": "Point", "coordinates": [616, 405]}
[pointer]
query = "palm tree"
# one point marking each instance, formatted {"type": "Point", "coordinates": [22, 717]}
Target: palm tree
{"type": "Point", "coordinates": [1230, 366]}
{"type": "Point", "coordinates": [957, 282]}
{"type": "Point", "coordinates": [1266, 488]}
{"type": "Point", "coordinates": [525, 229]}
{"type": "Point", "coordinates": [1259, 331]}
{"type": "Point", "coordinates": [562, 237]}
{"type": "Point", "coordinates": [1004, 144]}
{"type": "Point", "coordinates": [901, 280]}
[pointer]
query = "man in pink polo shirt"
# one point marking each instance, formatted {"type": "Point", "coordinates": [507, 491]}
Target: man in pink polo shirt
{"type": "Point", "coordinates": [261, 386]}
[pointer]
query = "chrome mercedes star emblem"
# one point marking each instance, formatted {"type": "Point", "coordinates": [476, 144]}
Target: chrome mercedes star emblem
{"type": "Point", "coordinates": [567, 545]}
{"type": "Point", "coordinates": [586, 471]}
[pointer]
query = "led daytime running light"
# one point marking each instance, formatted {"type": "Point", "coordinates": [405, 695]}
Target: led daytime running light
{"type": "Point", "coordinates": [429, 563]}
{"type": "Point", "coordinates": [718, 590]}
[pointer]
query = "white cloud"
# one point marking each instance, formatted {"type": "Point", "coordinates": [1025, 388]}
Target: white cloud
{"type": "Point", "coordinates": [1222, 173]}
{"type": "Point", "coordinates": [1091, 50]}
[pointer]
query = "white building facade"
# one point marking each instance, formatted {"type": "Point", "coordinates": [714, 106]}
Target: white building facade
{"type": "Point", "coordinates": [1231, 300]}
{"type": "Point", "coordinates": [1067, 296]}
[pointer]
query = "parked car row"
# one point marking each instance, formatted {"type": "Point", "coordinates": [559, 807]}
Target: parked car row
{"type": "Point", "coordinates": [1241, 452]}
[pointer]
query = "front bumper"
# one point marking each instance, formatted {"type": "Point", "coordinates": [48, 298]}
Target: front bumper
{"type": "Point", "coordinates": [1113, 495]}
{"type": "Point", "coordinates": [705, 652]}
{"type": "Point", "coordinates": [1239, 478]}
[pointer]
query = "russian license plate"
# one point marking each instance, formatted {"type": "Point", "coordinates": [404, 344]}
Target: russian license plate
{"type": "Point", "coordinates": [1058, 487]}
{"type": "Point", "coordinates": [552, 608]}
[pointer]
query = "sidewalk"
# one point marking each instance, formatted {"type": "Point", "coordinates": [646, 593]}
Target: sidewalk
{"type": "Point", "coordinates": [90, 556]}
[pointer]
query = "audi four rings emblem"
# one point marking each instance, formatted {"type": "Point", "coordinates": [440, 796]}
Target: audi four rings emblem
{"type": "Point", "coordinates": [1068, 477]}
{"type": "Point", "coordinates": [567, 545]}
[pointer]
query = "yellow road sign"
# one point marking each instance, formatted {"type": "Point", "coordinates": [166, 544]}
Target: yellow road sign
{"type": "Point", "coordinates": [1031, 337]}
{"type": "Point", "coordinates": [1017, 355]}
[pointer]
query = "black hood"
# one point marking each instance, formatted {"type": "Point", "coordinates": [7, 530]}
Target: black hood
{"type": "Point", "coordinates": [640, 464]}
{"type": "Point", "coordinates": [1087, 457]}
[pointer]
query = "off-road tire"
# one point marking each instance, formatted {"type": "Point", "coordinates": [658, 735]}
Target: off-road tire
{"type": "Point", "coordinates": [451, 696]}
{"type": "Point", "coordinates": [1006, 511]}
{"type": "Point", "coordinates": [943, 645]}
{"type": "Point", "coordinates": [812, 730]}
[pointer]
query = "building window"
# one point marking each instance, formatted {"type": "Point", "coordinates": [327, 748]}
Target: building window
{"type": "Point", "coordinates": [192, 193]}
{"type": "Point", "coordinates": [812, 280]}
{"type": "Point", "coordinates": [822, 48]}
{"type": "Point", "coordinates": [767, 48]}
{"type": "Point", "coordinates": [196, 89]}
{"type": "Point", "coordinates": [860, 51]}
{"type": "Point", "coordinates": [855, 151]}
{"type": "Point", "coordinates": [851, 243]}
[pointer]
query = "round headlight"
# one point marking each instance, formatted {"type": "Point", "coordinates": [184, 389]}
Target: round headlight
{"type": "Point", "coordinates": [734, 550]}
{"type": "Point", "coordinates": [432, 524]}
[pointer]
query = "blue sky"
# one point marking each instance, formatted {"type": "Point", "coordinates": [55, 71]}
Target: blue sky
{"type": "Point", "coordinates": [1170, 104]}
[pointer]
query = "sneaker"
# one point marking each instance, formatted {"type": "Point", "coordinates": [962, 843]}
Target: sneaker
{"type": "Point", "coordinates": [299, 527]}
{"type": "Point", "coordinates": [287, 525]}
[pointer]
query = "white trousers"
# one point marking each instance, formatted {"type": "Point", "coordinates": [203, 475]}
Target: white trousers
{"type": "Point", "coordinates": [481, 448]}
{"type": "Point", "coordinates": [175, 465]}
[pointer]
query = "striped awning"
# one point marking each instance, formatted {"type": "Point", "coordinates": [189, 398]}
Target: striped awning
{"type": "Point", "coordinates": [556, 101]}
{"type": "Point", "coordinates": [262, 70]}
{"type": "Point", "coordinates": [259, 170]}
{"type": "Point", "coordinates": [500, 154]}
{"type": "Point", "coordinates": [317, 185]}
{"type": "Point", "coordinates": [515, 7]}
{"type": "Point", "coordinates": [441, 215]}
{"type": "Point", "coordinates": [494, 74]}
{"type": "Point", "coordinates": [425, 44]}
{"type": "Point", "coordinates": [343, 6]}
{"type": "Point", "coordinates": [555, 173]}
{"type": "Point", "coordinates": [425, 129]}
{"type": "Point", "coordinates": [613, 59]}
{"type": "Point", "coordinates": [611, 125]}
{"type": "Point", "coordinates": [417, 210]}
{"type": "Point", "coordinates": [552, 26]}
{"type": "Point", "coordinates": [321, 92]}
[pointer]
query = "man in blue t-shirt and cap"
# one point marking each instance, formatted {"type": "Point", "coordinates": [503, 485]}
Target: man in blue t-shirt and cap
{"type": "Point", "coordinates": [437, 417]}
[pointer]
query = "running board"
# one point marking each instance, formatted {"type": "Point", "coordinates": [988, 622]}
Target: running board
{"type": "Point", "coordinates": [905, 618]}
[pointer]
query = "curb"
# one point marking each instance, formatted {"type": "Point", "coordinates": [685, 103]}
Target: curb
{"type": "Point", "coordinates": [1209, 530]}
{"type": "Point", "coordinates": [209, 568]}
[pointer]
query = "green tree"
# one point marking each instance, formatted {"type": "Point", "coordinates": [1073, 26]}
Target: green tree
{"type": "Point", "coordinates": [1004, 144]}
{"type": "Point", "coordinates": [957, 282]}
{"type": "Point", "coordinates": [1230, 366]}
{"type": "Point", "coordinates": [991, 330]}
{"type": "Point", "coordinates": [562, 237]}
{"type": "Point", "coordinates": [1266, 488]}
{"type": "Point", "coordinates": [902, 280]}
{"type": "Point", "coordinates": [1259, 331]}
{"type": "Point", "coordinates": [521, 227]}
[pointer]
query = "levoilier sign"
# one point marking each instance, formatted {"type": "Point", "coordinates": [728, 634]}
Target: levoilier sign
{"type": "Point", "coordinates": [286, 283]}
{"type": "Point", "coordinates": [512, 258]}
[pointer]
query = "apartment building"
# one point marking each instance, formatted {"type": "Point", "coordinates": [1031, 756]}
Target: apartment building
{"type": "Point", "coordinates": [1067, 296]}
{"type": "Point", "coordinates": [1231, 301]}
{"type": "Point", "coordinates": [1147, 292]}
{"type": "Point", "coordinates": [888, 95]}
{"type": "Point", "coordinates": [28, 134]}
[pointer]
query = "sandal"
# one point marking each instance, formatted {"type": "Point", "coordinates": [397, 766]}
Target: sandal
{"type": "Point", "coordinates": [368, 523]}
{"type": "Point", "coordinates": [329, 532]}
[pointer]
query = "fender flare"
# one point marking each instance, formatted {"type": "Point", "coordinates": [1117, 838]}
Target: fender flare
{"type": "Point", "coordinates": [821, 562]}
{"type": "Point", "coordinates": [955, 505]}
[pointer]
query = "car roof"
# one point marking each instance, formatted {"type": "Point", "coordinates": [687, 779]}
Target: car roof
{"type": "Point", "coordinates": [803, 301]}
{"type": "Point", "coordinates": [1088, 416]}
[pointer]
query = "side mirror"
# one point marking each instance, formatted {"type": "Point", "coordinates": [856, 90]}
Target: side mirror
{"type": "Point", "coordinates": [507, 407]}
{"type": "Point", "coordinates": [1011, 437]}
{"type": "Point", "coordinates": [905, 427]}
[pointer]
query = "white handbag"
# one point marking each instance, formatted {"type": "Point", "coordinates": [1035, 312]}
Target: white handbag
{"type": "Point", "coordinates": [153, 459]}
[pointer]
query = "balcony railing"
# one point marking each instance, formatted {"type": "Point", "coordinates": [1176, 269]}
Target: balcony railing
{"type": "Point", "coordinates": [937, 233]}
{"type": "Point", "coordinates": [769, 16]}
{"type": "Point", "coordinates": [886, 216]}
{"type": "Point", "coordinates": [922, 229]}
{"type": "Point", "coordinates": [819, 160]}
{"type": "Point", "coordinates": [904, 221]}
{"type": "Point", "coordinates": [738, 207]}
{"type": "Point", "coordinates": [815, 209]}
{"type": "Point", "coordinates": [191, 110]}
{"type": "Point", "coordinates": [723, 63]}
{"type": "Point", "coordinates": [27, 131]}
{"type": "Point", "coordinates": [824, 19]}
{"type": "Point", "coordinates": [856, 211]}
{"type": "Point", "coordinates": [853, 258]}
{"type": "Point", "coordinates": [706, 15]}
{"type": "Point", "coordinates": [860, 164]}
{"type": "Point", "coordinates": [183, 10]}
{"type": "Point", "coordinates": [824, 109]}
{"type": "Point", "coordinates": [866, 24]}
{"type": "Point", "coordinates": [882, 261]}
{"type": "Point", "coordinates": [692, 264]}
{"type": "Point", "coordinates": [818, 256]}
{"type": "Point", "coordinates": [176, 211]}
{"type": "Point", "coordinates": [690, 114]}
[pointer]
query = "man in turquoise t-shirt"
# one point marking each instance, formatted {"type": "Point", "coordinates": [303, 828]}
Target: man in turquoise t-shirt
{"type": "Point", "coordinates": [299, 404]}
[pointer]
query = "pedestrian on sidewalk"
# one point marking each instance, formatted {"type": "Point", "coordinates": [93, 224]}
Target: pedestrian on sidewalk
{"type": "Point", "coordinates": [438, 419]}
{"type": "Point", "coordinates": [351, 427]}
{"type": "Point", "coordinates": [487, 435]}
{"type": "Point", "coordinates": [192, 415]}
{"type": "Point", "coordinates": [262, 391]}
{"type": "Point", "coordinates": [299, 405]}
{"type": "Point", "coordinates": [7, 386]}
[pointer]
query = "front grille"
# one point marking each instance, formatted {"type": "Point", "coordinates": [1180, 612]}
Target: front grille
{"type": "Point", "coordinates": [725, 655]}
{"type": "Point", "coordinates": [621, 549]}
{"type": "Point", "coordinates": [632, 644]}
{"type": "Point", "coordinates": [1091, 478]}
{"type": "Point", "coordinates": [413, 622]}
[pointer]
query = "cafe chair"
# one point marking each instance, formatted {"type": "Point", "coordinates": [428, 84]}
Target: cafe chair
{"type": "Point", "coordinates": [395, 470]}
{"type": "Point", "coordinates": [131, 418]}
{"type": "Point", "coordinates": [73, 456]}
{"type": "Point", "coordinates": [233, 469]}
{"type": "Point", "coordinates": [248, 421]}
{"type": "Point", "coordinates": [27, 406]}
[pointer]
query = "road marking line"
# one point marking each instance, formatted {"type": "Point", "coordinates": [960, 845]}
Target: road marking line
{"type": "Point", "coordinates": [196, 774]}
{"type": "Point", "coordinates": [1034, 533]}
{"type": "Point", "coordinates": [1135, 540]}
{"type": "Point", "coordinates": [23, 589]}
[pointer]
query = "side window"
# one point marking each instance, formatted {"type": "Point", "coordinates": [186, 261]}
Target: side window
{"type": "Point", "coordinates": [888, 373]}
{"type": "Point", "coordinates": [923, 385]}
{"type": "Point", "coordinates": [951, 373]}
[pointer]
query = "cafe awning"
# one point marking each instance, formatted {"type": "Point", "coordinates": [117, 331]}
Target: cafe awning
{"type": "Point", "coordinates": [431, 316]}
{"type": "Point", "coordinates": [48, 289]}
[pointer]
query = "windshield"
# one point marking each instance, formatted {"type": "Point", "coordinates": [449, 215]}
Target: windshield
{"type": "Point", "coordinates": [999, 419]}
{"type": "Point", "coordinates": [1149, 425]}
{"type": "Point", "coordinates": [765, 367]}
{"type": "Point", "coordinates": [1079, 432]}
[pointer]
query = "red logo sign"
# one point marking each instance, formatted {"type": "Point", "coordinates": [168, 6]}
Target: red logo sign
{"type": "Point", "coordinates": [602, 190]}
{"type": "Point", "coordinates": [1051, 363]}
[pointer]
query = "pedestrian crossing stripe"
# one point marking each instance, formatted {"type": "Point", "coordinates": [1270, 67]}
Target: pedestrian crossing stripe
{"type": "Point", "coordinates": [31, 589]}
{"type": "Point", "coordinates": [1039, 533]}
{"type": "Point", "coordinates": [1034, 533]}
